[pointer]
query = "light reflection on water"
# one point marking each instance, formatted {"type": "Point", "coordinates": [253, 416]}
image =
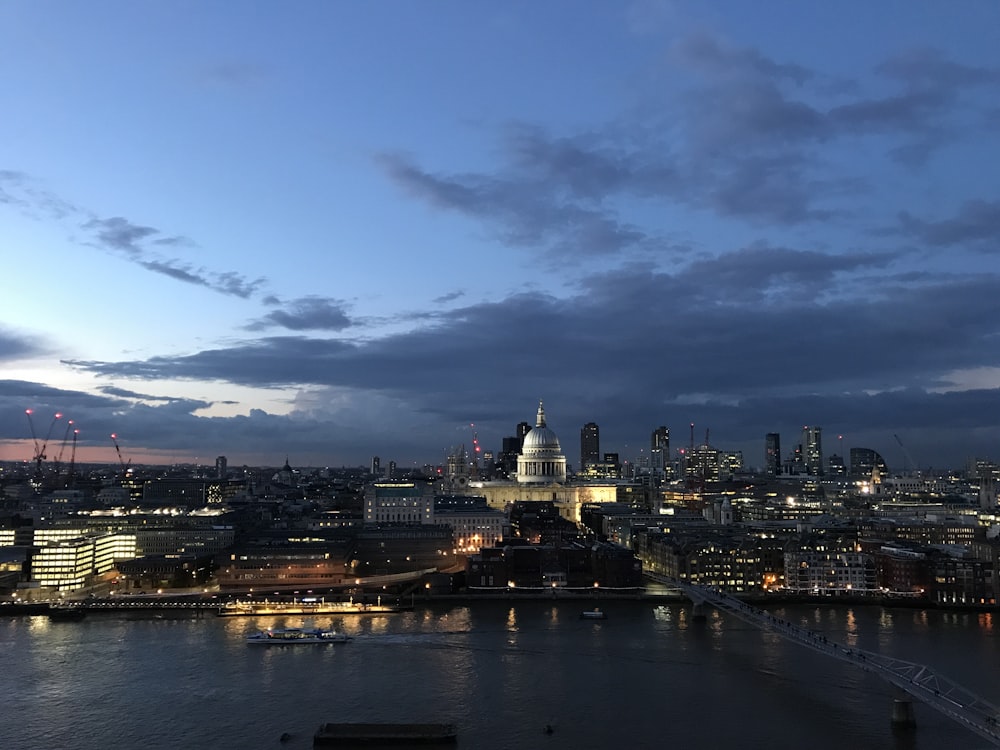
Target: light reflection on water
{"type": "Point", "coordinates": [500, 670]}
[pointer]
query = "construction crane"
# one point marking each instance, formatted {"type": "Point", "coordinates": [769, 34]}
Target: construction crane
{"type": "Point", "coordinates": [114, 439]}
{"type": "Point", "coordinates": [62, 446]}
{"type": "Point", "coordinates": [40, 446]}
{"type": "Point", "coordinates": [907, 456]}
{"type": "Point", "coordinates": [71, 475]}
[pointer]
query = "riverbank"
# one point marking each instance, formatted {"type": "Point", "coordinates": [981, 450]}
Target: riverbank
{"type": "Point", "coordinates": [394, 604]}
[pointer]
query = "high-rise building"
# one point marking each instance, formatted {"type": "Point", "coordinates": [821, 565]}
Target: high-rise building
{"type": "Point", "coordinates": [221, 469]}
{"type": "Point", "coordinates": [864, 461]}
{"type": "Point", "coordinates": [836, 465]}
{"type": "Point", "coordinates": [509, 453]}
{"type": "Point", "coordinates": [590, 445]}
{"type": "Point", "coordinates": [660, 439]}
{"type": "Point", "coordinates": [772, 454]}
{"type": "Point", "coordinates": [376, 466]}
{"type": "Point", "coordinates": [812, 448]}
{"type": "Point", "coordinates": [522, 430]}
{"type": "Point", "coordinates": [659, 451]}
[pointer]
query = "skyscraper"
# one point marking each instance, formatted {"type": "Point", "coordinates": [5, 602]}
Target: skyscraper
{"type": "Point", "coordinates": [660, 439]}
{"type": "Point", "coordinates": [659, 450]}
{"type": "Point", "coordinates": [812, 448]}
{"type": "Point", "coordinates": [772, 454]}
{"type": "Point", "coordinates": [590, 445]}
{"type": "Point", "coordinates": [522, 430]}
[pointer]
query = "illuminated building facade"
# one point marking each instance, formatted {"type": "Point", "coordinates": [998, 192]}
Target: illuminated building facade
{"type": "Point", "coordinates": [70, 564]}
{"type": "Point", "coordinates": [812, 446]}
{"type": "Point", "coordinates": [541, 459]}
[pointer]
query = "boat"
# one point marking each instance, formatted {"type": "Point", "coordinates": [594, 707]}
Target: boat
{"type": "Point", "coordinates": [296, 636]}
{"type": "Point", "coordinates": [383, 735]}
{"type": "Point", "coordinates": [66, 613]}
{"type": "Point", "coordinates": [593, 614]}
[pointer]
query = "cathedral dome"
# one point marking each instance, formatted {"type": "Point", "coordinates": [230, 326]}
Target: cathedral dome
{"type": "Point", "coordinates": [541, 439]}
{"type": "Point", "coordinates": [541, 459]}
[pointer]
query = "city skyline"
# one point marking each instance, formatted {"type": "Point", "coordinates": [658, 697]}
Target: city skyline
{"type": "Point", "coordinates": [320, 234]}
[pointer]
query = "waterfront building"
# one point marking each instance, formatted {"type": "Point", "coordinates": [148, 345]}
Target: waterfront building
{"type": "Point", "coordinates": [71, 564]}
{"type": "Point", "coordinates": [473, 522]}
{"type": "Point", "coordinates": [720, 558]}
{"type": "Point", "coordinates": [548, 566]}
{"type": "Point", "coordinates": [829, 564]}
{"type": "Point", "coordinates": [281, 564]}
{"type": "Point", "coordinates": [390, 549]}
{"type": "Point", "coordinates": [901, 571]}
{"type": "Point", "coordinates": [155, 572]}
{"type": "Point", "coordinates": [962, 578]}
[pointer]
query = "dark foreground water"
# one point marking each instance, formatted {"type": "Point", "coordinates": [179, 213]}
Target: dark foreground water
{"type": "Point", "coordinates": [501, 671]}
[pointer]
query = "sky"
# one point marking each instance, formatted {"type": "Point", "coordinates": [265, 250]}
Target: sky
{"type": "Point", "coordinates": [328, 230]}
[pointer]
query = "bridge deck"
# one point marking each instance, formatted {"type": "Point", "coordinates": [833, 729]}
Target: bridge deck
{"type": "Point", "coordinates": [917, 680]}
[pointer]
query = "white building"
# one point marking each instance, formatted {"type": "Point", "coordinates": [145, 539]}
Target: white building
{"type": "Point", "coordinates": [69, 564]}
{"type": "Point", "coordinates": [541, 460]}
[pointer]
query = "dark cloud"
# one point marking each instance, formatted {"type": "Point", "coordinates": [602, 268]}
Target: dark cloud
{"type": "Point", "coordinates": [15, 346]}
{"type": "Point", "coordinates": [122, 235]}
{"type": "Point", "coordinates": [928, 69]}
{"type": "Point", "coordinates": [749, 137]}
{"type": "Point", "coordinates": [449, 297]}
{"type": "Point", "coordinates": [518, 212]}
{"type": "Point", "coordinates": [306, 314]}
{"type": "Point", "coordinates": [186, 405]}
{"type": "Point", "coordinates": [977, 225]}
{"type": "Point", "coordinates": [760, 334]}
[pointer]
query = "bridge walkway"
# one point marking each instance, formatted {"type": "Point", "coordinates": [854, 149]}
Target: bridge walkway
{"type": "Point", "coordinates": [916, 680]}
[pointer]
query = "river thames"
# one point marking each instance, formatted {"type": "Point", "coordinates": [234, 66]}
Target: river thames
{"type": "Point", "coordinates": [500, 671]}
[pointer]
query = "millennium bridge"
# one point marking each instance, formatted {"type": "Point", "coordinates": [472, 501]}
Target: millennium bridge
{"type": "Point", "coordinates": [917, 680]}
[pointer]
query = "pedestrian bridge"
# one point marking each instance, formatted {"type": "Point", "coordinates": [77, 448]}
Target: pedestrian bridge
{"type": "Point", "coordinates": [917, 680]}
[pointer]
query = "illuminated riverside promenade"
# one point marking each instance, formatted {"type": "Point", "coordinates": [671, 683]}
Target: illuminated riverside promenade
{"type": "Point", "coordinates": [917, 680]}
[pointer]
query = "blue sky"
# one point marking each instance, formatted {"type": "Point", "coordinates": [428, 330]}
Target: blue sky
{"type": "Point", "coordinates": [331, 230]}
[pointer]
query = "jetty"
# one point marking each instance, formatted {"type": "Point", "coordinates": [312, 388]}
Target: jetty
{"type": "Point", "coordinates": [259, 609]}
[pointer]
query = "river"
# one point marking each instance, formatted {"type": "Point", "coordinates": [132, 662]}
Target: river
{"type": "Point", "coordinates": [501, 671]}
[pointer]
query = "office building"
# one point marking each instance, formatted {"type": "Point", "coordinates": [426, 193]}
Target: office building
{"type": "Point", "coordinates": [590, 445]}
{"type": "Point", "coordinates": [772, 454]}
{"type": "Point", "coordinates": [812, 446]}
